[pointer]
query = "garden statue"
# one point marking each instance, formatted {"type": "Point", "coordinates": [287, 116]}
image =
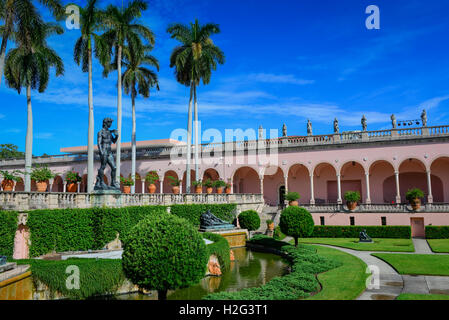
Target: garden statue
{"type": "Point", "coordinates": [364, 237]}
{"type": "Point", "coordinates": [394, 122]}
{"type": "Point", "coordinates": [2, 260]}
{"type": "Point", "coordinates": [284, 130]}
{"type": "Point", "coordinates": [336, 128]}
{"type": "Point", "coordinates": [424, 118]}
{"type": "Point", "coordinates": [260, 132]}
{"type": "Point", "coordinates": [364, 124]}
{"type": "Point", "coordinates": [209, 221]}
{"type": "Point", "coordinates": [105, 139]}
{"type": "Point", "coordinates": [309, 128]}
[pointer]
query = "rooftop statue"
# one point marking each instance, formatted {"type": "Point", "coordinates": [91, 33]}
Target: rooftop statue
{"type": "Point", "coordinates": [394, 121]}
{"type": "Point", "coordinates": [364, 124]}
{"type": "Point", "coordinates": [105, 139]}
{"type": "Point", "coordinates": [424, 118]}
{"type": "Point", "coordinates": [309, 128]}
{"type": "Point", "coordinates": [284, 130]}
{"type": "Point", "coordinates": [336, 128]}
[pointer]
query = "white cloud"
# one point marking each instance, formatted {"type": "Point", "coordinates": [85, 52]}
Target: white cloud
{"type": "Point", "coordinates": [278, 78]}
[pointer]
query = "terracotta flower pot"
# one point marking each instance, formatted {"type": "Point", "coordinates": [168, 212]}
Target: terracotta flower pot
{"type": "Point", "coordinates": [416, 204]}
{"type": "Point", "coordinates": [209, 190]}
{"type": "Point", "coordinates": [293, 203]}
{"type": "Point", "coordinates": [351, 205]}
{"type": "Point", "coordinates": [220, 190]}
{"type": "Point", "coordinates": [41, 186]}
{"type": "Point", "coordinates": [270, 226]}
{"type": "Point", "coordinates": [8, 185]}
{"type": "Point", "coordinates": [152, 188]}
{"type": "Point", "coordinates": [198, 190]}
{"type": "Point", "coordinates": [175, 189]}
{"type": "Point", "coordinates": [228, 190]}
{"type": "Point", "coordinates": [72, 187]}
{"type": "Point", "coordinates": [127, 189]}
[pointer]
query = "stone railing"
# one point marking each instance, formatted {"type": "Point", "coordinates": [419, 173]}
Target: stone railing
{"type": "Point", "coordinates": [377, 208]}
{"type": "Point", "coordinates": [24, 201]}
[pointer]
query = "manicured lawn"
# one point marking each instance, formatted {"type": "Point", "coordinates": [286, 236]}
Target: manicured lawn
{"type": "Point", "coordinates": [411, 296]}
{"type": "Point", "coordinates": [390, 245]}
{"type": "Point", "coordinates": [343, 283]}
{"type": "Point", "coordinates": [417, 264]}
{"type": "Point", "coordinates": [439, 245]}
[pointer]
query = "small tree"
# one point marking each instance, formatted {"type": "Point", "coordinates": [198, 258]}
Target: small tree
{"type": "Point", "coordinates": [164, 252]}
{"type": "Point", "coordinates": [296, 222]}
{"type": "Point", "coordinates": [249, 220]}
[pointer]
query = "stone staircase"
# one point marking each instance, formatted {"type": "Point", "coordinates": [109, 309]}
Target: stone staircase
{"type": "Point", "coordinates": [268, 213]}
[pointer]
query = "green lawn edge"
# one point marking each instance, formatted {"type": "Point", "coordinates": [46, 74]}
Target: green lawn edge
{"type": "Point", "coordinates": [417, 264]}
{"type": "Point", "coordinates": [343, 283]}
{"type": "Point", "coordinates": [439, 245]}
{"type": "Point", "coordinates": [379, 245]}
{"type": "Point", "coordinates": [413, 296]}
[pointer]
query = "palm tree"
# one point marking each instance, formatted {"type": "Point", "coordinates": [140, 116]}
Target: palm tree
{"type": "Point", "coordinates": [137, 74]}
{"type": "Point", "coordinates": [89, 22]}
{"type": "Point", "coordinates": [15, 13]}
{"type": "Point", "coordinates": [122, 29]}
{"type": "Point", "coordinates": [194, 60]}
{"type": "Point", "coordinates": [28, 65]}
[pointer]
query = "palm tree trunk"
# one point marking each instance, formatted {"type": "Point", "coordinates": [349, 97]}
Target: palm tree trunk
{"type": "Point", "coordinates": [189, 140]}
{"type": "Point", "coordinates": [90, 138]}
{"type": "Point", "coordinates": [133, 142]}
{"type": "Point", "coordinates": [29, 142]}
{"type": "Point", "coordinates": [119, 113]}
{"type": "Point", "coordinates": [197, 174]}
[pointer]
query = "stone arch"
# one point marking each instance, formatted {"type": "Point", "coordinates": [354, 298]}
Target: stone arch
{"type": "Point", "coordinates": [147, 184]}
{"type": "Point", "coordinates": [273, 179]}
{"type": "Point", "coordinates": [58, 184]}
{"type": "Point", "coordinates": [184, 180]}
{"type": "Point", "coordinates": [299, 181]}
{"type": "Point", "coordinates": [167, 186]}
{"type": "Point", "coordinates": [353, 179]}
{"type": "Point", "coordinates": [379, 171]}
{"type": "Point", "coordinates": [246, 180]}
{"type": "Point", "coordinates": [439, 168]}
{"type": "Point", "coordinates": [325, 183]}
{"type": "Point", "coordinates": [211, 174]}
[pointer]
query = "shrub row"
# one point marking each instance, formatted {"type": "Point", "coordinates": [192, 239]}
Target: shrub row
{"type": "Point", "coordinates": [192, 212]}
{"type": "Point", "coordinates": [306, 263]}
{"type": "Point", "coordinates": [219, 248]}
{"type": "Point", "coordinates": [8, 227]}
{"type": "Point", "coordinates": [437, 232]}
{"type": "Point", "coordinates": [97, 276]}
{"type": "Point", "coordinates": [392, 232]}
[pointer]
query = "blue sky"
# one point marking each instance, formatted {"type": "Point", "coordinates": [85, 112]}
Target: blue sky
{"type": "Point", "coordinates": [286, 61]}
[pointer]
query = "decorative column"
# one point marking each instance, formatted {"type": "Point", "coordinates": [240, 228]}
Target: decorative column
{"type": "Point", "coordinates": [50, 184]}
{"type": "Point", "coordinates": [312, 192]}
{"type": "Point", "coordinates": [180, 187]}
{"type": "Point", "coordinates": [398, 188]}
{"type": "Point", "coordinates": [429, 186]}
{"type": "Point", "coordinates": [286, 184]}
{"type": "Point", "coordinates": [64, 184]}
{"type": "Point", "coordinates": [143, 185]}
{"type": "Point", "coordinates": [261, 185]}
{"type": "Point", "coordinates": [231, 181]}
{"type": "Point", "coordinates": [78, 185]}
{"type": "Point", "coordinates": [339, 200]}
{"type": "Point", "coordinates": [368, 190]}
{"type": "Point", "coordinates": [161, 186]}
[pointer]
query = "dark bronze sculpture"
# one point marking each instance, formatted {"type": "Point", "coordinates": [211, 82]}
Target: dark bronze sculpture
{"type": "Point", "coordinates": [208, 221]}
{"type": "Point", "coordinates": [364, 237]}
{"type": "Point", "coordinates": [105, 139]}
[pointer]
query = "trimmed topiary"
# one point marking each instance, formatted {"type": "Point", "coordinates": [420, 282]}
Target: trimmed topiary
{"type": "Point", "coordinates": [249, 220]}
{"type": "Point", "coordinates": [296, 222]}
{"type": "Point", "coordinates": [164, 252]}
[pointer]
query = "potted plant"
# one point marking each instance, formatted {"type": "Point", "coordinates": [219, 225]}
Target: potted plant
{"type": "Point", "coordinates": [41, 174]}
{"type": "Point", "coordinates": [352, 198]}
{"type": "Point", "coordinates": [127, 183]}
{"type": "Point", "coordinates": [228, 188]}
{"type": "Point", "coordinates": [270, 225]}
{"type": "Point", "coordinates": [219, 185]}
{"type": "Point", "coordinates": [292, 198]}
{"type": "Point", "coordinates": [152, 177]}
{"type": "Point", "coordinates": [209, 184]}
{"type": "Point", "coordinates": [72, 179]}
{"type": "Point", "coordinates": [175, 184]}
{"type": "Point", "coordinates": [414, 197]}
{"type": "Point", "coordinates": [9, 178]}
{"type": "Point", "coordinates": [198, 186]}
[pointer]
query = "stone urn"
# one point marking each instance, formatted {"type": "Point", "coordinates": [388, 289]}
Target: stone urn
{"type": "Point", "coordinates": [127, 189]}
{"type": "Point", "coordinates": [270, 226]}
{"type": "Point", "coordinates": [351, 205]}
{"type": "Point", "coordinates": [293, 203]}
{"type": "Point", "coordinates": [8, 185]}
{"type": "Point", "coordinates": [175, 189]}
{"type": "Point", "coordinates": [152, 188]}
{"type": "Point", "coordinates": [209, 190]}
{"type": "Point", "coordinates": [198, 190]}
{"type": "Point", "coordinates": [220, 190]}
{"type": "Point", "coordinates": [72, 187]}
{"type": "Point", "coordinates": [41, 186]}
{"type": "Point", "coordinates": [416, 204]}
{"type": "Point", "coordinates": [228, 190]}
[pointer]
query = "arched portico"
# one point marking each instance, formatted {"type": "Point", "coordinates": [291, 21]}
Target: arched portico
{"type": "Point", "coordinates": [246, 180]}
{"type": "Point", "coordinates": [273, 179]}
{"type": "Point", "coordinates": [353, 178]}
{"type": "Point", "coordinates": [299, 181]}
{"type": "Point", "coordinates": [439, 170]}
{"type": "Point", "coordinates": [327, 184]}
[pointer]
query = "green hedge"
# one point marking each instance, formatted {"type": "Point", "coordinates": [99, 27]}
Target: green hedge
{"type": "Point", "coordinates": [391, 232]}
{"type": "Point", "coordinates": [192, 212]}
{"type": "Point", "coordinates": [300, 283]}
{"type": "Point", "coordinates": [82, 229]}
{"type": "Point", "coordinates": [220, 248]}
{"type": "Point", "coordinates": [437, 232]}
{"type": "Point", "coordinates": [8, 227]}
{"type": "Point", "coordinates": [97, 276]}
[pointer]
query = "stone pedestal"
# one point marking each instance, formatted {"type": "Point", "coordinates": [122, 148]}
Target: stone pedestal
{"type": "Point", "coordinates": [108, 198]}
{"type": "Point", "coordinates": [236, 238]}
